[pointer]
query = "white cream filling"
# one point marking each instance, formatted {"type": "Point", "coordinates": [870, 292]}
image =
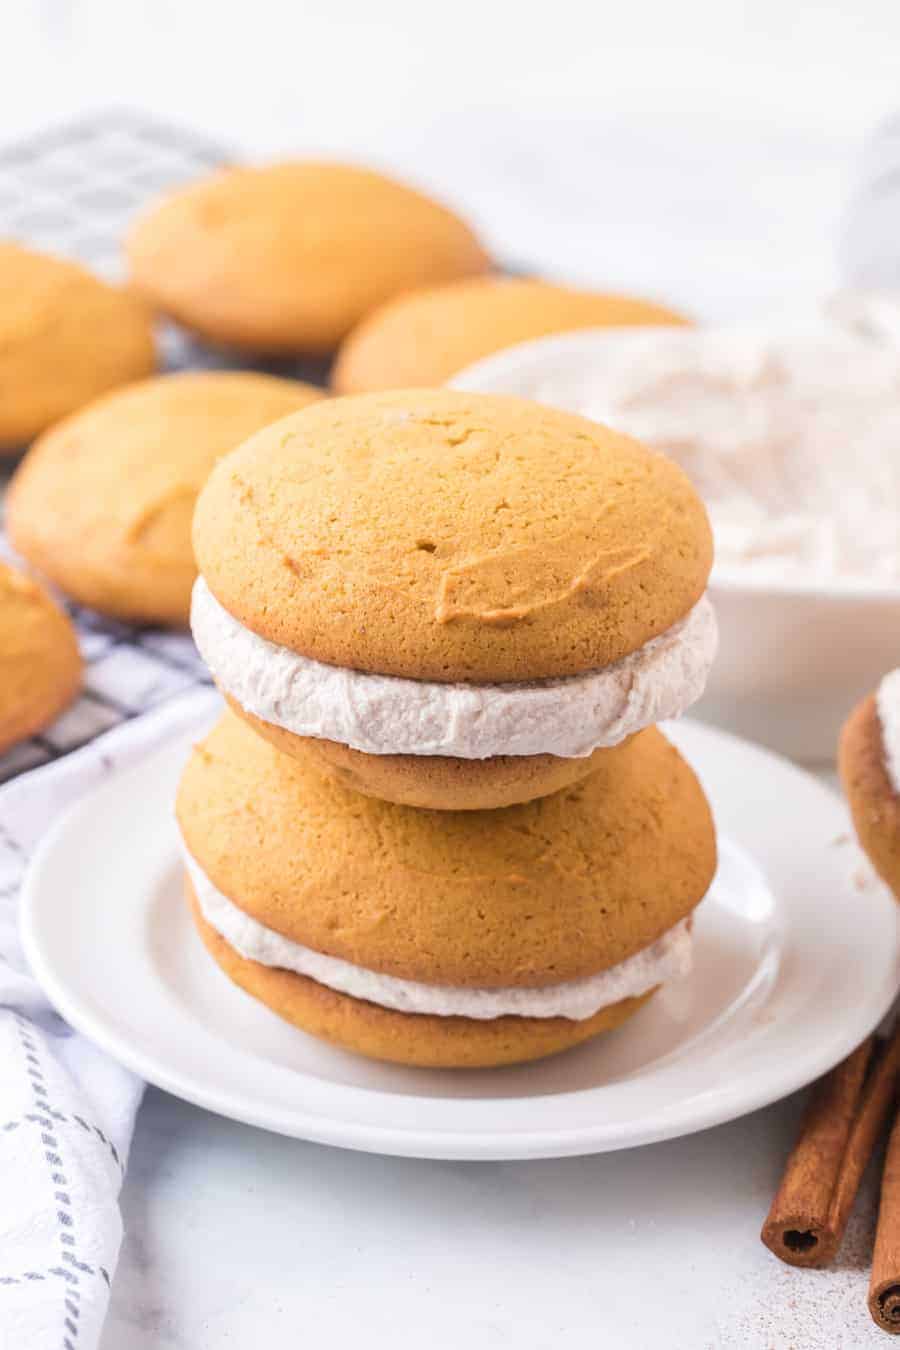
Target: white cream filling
{"type": "Point", "coordinates": [666, 959]}
{"type": "Point", "coordinates": [387, 715]}
{"type": "Point", "coordinates": [887, 701]}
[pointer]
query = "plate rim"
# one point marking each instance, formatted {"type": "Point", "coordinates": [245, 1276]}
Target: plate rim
{"type": "Point", "coordinates": [693, 1113]}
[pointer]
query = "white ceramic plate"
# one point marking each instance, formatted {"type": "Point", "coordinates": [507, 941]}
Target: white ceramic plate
{"type": "Point", "coordinates": [795, 963]}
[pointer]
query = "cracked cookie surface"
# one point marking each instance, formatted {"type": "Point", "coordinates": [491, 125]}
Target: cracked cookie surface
{"type": "Point", "coordinates": [446, 536]}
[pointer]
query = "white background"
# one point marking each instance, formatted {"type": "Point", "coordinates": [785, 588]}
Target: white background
{"type": "Point", "coordinates": [699, 150]}
{"type": "Point", "coordinates": [702, 151]}
{"type": "Point", "coordinates": [272, 65]}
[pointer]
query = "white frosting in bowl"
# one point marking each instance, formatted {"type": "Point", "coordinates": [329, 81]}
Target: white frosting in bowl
{"type": "Point", "coordinates": [666, 959]}
{"type": "Point", "coordinates": [887, 701]}
{"type": "Point", "coordinates": [387, 715]}
{"type": "Point", "coordinates": [790, 434]}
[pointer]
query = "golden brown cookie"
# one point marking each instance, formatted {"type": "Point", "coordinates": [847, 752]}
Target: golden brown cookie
{"type": "Point", "coordinates": [40, 665]}
{"type": "Point", "coordinates": [421, 1040]}
{"type": "Point", "coordinates": [874, 804]}
{"type": "Point", "coordinates": [428, 336]}
{"type": "Point", "coordinates": [288, 257]}
{"type": "Point", "coordinates": [437, 782]}
{"type": "Point", "coordinates": [65, 337]}
{"type": "Point", "coordinates": [445, 536]}
{"type": "Point", "coordinates": [102, 503]}
{"type": "Point", "coordinates": [528, 896]}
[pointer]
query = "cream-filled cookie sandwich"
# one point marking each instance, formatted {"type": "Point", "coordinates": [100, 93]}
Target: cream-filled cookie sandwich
{"type": "Point", "coordinates": [869, 760]}
{"type": "Point", "coordinates": [454, 601]}
{"type": "Point", "coordinates": [446, 939]}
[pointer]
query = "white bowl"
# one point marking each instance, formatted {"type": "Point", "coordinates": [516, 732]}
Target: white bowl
{"type": "Point", "coordinates": [793, 657]}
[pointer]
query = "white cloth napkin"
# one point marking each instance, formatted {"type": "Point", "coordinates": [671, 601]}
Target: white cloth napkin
{"type": "Point", "coordinates": [67, 1110]}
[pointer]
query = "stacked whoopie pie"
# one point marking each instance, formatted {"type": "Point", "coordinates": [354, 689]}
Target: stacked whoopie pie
{"type": "Point", "coordinates": [437, 824]}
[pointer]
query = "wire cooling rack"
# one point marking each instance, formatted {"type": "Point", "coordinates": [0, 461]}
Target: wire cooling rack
{"type": "Point", "coordinates": [73, 192]}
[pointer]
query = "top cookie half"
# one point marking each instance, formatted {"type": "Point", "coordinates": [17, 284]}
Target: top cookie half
{"type": "Point", "coordinates": [447, 536]}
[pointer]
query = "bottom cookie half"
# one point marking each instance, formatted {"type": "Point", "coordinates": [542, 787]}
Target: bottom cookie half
{"type": "Point", "coordinates": [404, 1038]}
{"type": "Point", "coordinates": [435, 782]}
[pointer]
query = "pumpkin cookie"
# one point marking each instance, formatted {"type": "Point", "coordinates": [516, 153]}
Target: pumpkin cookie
{"type": "Point", "coordinates": [402, 933]}
{"type": "Point", "coordinates": [869, 760]}
{"type": "Point", "coordinates": [439, 782]}
{"type": "Point", "coordinates": [432, 576]}
{"type": "Point", "coordinates": [40, 665]}
{"type": "Point", "coordinates": [426, 337]}
{"type": "Point", "coordinates": [102, 503]}
{"type": "Point", "coordinates": [288, 257]}
{"type": "Point", "coordinates": [65, 337]}
{"type": "Point", "coordinates": [382, 1033]}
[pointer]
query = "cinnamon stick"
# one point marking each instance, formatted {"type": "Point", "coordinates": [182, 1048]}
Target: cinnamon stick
{"type": "Point", "coordinates": [878, 1094]}
{"type": "Point", "coordinates": [884, 1286]}
{"type": "Point", "coordinates": [797, 1228]}
{"type": "Point", "coordinates": [841, 1126]}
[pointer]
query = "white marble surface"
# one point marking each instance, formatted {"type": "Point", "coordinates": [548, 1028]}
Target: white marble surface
{"type": "Point", "coordinates": [700, 152]}
{"type": "Point", "coordinates": [233, 1234]}
{"type": "Point", "coordinates": [236, 1238]}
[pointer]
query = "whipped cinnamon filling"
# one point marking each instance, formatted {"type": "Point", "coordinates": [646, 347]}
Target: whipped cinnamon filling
{"type": "Point", "coordinates": [389, 715]}
{"type": "Point", "coordinates": [668, 958]}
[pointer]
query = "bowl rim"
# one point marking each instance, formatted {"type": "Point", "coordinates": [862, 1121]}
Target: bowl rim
{"type": "Point", "coordinates": [732, 580]}
{"type": "Point", "coordinates": [526, 356]}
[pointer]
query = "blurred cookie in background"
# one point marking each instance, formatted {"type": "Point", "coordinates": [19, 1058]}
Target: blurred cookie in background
{"type": "Point", "coordinates": [65, 338]}
{"type": "Point", "coordinates": [40, 664]}
{"type": "Point", "coordinates": [102, 504]}
{"type": "Point", "coordinates": [288, 257]}
{"type": "Point", "coordinates": [427, 337]}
